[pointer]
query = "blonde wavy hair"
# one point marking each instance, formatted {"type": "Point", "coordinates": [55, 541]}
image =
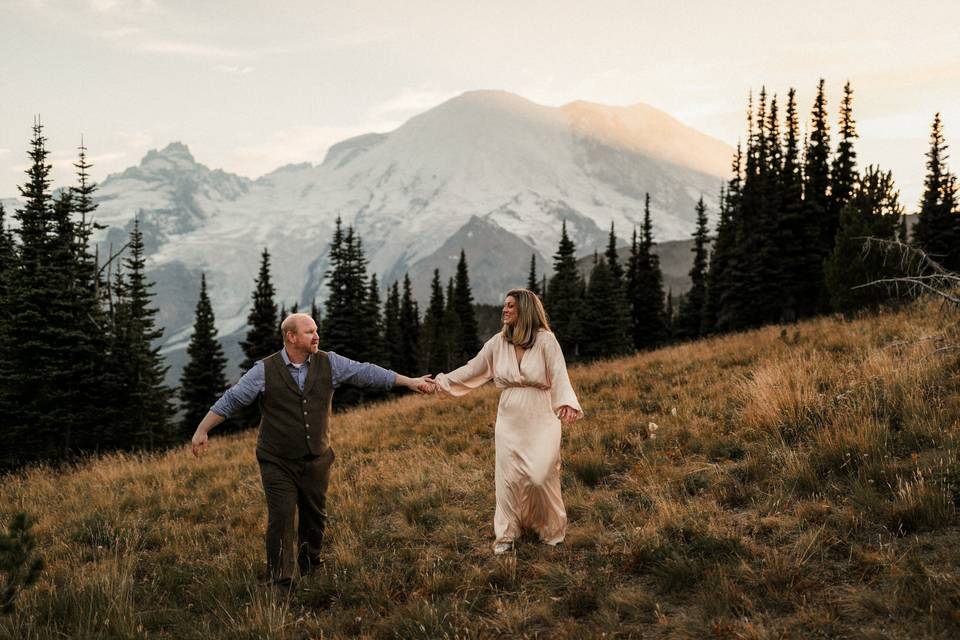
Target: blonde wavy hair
{"type": "Point", "coordinates": [531, 317]}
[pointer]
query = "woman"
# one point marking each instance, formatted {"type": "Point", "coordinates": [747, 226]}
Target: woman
{"type": "Point", "coordinates": [524, 360]}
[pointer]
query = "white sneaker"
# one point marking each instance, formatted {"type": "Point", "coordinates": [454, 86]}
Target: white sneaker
{"type": "Point", "coordinates": [501, 548]}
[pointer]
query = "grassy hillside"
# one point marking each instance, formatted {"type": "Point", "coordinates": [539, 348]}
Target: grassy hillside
{"type": "Point", "coordinates": [801, 483]}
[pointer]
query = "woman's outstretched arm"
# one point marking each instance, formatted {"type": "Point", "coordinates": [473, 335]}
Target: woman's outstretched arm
{"type": "Point", "coordinates": [475, 373]}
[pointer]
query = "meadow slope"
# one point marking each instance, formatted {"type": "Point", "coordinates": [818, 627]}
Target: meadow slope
{"type": "Point", "coordinates": [802, 482]}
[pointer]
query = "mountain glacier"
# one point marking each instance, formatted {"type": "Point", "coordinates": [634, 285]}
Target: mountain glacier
{"type": "Point", "coordinates": [488, 171]}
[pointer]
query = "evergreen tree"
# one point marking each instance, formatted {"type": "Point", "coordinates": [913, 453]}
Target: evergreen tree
{"type": "Point", "coordinates": [203, 379]}
{"type": "Point", "coordinates": [816, 186]}
{"type": "Point", "coordinates": [347, 284]}
{"type": "Point", "coordinates": [937, 229]}
{"type": "Point", "coordinates": [608, 333]}
{"type": "Point", "coordinates": [565, 297]}
{"type": "Point", "coordinates": [84, 324]}
{"type": "Point", "coordinates": [409, 331]}
{"type": "Point", "coordinates": [690, 320]}
{"type": "Point", "coordinates": [613, 260]}
{"type": "Point", "coordinates": [146, 421]}
{"type": "Point", "coordinates": [315, 312]}
{"type": "Point", "coordinates": [450, 332]}
{"type": "Point", "coordinates": [391, 328]}
{"type": "Point", "coordinates": [649, 328]}
{"type": "Point", "coordinates": [799, 251]}
{"type": "Point", "coordinates": [372, 326]}
{"type": "Point", "coordinates": [30, 395]}
{"type": "Point", "coordinates": [671, 316]}
{"type": "Point", "coordinates": [716, 314]}
{"type": "Point", "coordinates": [533, 284]}
{"type": "Point", "coordinates": [433, 346]}
{"type": "Point", "coordinates": [8, 259]}
{"type": "Point", "coordinates": [843, 174]}
{"type": "Point", "coordinates": [873, 210]}
{"type": "Point", "coordinates": [263, 335]}
{"type": "Point", "coordinates": [463, 303]}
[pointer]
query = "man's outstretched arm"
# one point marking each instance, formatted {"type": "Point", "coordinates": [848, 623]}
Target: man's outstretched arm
{"type": "Point", "coordinates": [366, 374]}
{"type": "Point", "coordinates": [239, 395]}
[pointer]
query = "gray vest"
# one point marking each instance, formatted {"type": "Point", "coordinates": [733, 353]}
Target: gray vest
{"type": "Point", "coordinates": [294, 423]}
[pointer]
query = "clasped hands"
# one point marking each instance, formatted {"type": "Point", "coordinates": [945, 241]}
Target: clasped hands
{"type": "Point", "coordinates": [423, 385]}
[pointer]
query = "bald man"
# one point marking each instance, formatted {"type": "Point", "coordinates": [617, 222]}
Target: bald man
{"type": "Point", "coordinates": [295, 387]}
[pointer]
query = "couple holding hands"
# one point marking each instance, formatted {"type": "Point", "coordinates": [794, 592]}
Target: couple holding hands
{"type": "Point", "coordinates": [296, 385]}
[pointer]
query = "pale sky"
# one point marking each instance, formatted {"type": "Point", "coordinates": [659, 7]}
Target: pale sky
{"type": "Point", "coordinates": [250, 86]}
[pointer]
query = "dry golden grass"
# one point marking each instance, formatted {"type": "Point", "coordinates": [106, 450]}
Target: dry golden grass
{"type": "Point", "coordinates": [798, 483]}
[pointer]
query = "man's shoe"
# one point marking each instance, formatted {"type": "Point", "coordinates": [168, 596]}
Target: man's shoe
{"type": "Point", "coordinates": [501, 548]}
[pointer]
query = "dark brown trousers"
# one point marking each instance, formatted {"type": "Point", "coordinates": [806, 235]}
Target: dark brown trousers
{"type": "Point", "coordinates": [291, 486]}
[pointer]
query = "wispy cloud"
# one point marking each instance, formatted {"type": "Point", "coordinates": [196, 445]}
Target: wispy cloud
{"type": "Point", "coordinates": [294, 145]}
{"type": "Point", "coordinates": [110, 6]}
{"type": "Point", "coordinates": [181, 48]}
{"type": "Point", "coordinates": [226, 68]}
{"type": "Point", "coordinates": [409, 102]}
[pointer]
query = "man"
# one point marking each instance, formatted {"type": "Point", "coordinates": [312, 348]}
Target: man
{"type": "Point", "coordinates": [295, 386]}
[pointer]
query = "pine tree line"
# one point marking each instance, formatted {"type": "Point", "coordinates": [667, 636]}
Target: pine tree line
{"type": "Point", "coordinates": [789, 241]}
{"type": "Point", "coordinates": [80, 369]}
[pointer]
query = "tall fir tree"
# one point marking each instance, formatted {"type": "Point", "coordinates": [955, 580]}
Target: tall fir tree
{"type": "Point", "coordinates": [347, 284]}
{"type": "Point", "coordinates": [433, 345]}
{"type": "Point", "coordinates": [263, 337]}
{"type": "Point", "coordinates": [937, 229]}
{"type": "Point", "coordinates": [203, 379]}
{"type": "Point", "coordinates": [717, 313]}
{"type": "Point", "coordinates": [392, 335]}
{"type": "Point", "coordinates": [463, 303]}
{"type": "Point", "coordinates": [31, 401]}
{"type": "Point", "coordinates": [843, 171]}
{"type": "Point", "coordinates": [816, 186]}
{"type": "Point", "coordinates": [450, 331]}
{"type": "Point", "coordinates": [263, 334]}
{"type": "Point", "coordinates": [645, 282]}
{"type": "Point", "coordinates": [85, 326]}
{"type": "Point", "coordinates": [798, 231]}
{"type": "Point", "coordinates": [619, 305]}
{"type": "Point", "coordinates": [372, 325]}
{"type": "Point", "coordinates": [409, 330]}
{"type": "Point", "coordinates": [690, 320]}
{"type": "Point", "coordinates": [872, 211]}
{"type": "Point", "coordinates": [613, 259]}
{"type": "Point", "coordinates": [533, 284]}
{"type": "Point", "coordinates": [608, 334]}
{"type": "Point", "coordinates": [146, 423]}
{"type": "Point", "coordinates": [8, 259]}
{"type": "Point", "coordinates": [564, 296]}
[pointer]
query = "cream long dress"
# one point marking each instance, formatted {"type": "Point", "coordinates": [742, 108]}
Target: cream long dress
{"type": "Point", "coordinates": [527, 433]}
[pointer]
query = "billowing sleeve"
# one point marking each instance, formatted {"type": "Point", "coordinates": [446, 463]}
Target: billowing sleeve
{"type": "Point", "coordinates": [475, 373]}
{"type": "Point", "coordinates": [561, 391]}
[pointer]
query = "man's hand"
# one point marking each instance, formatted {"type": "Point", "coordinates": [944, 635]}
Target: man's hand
{"type": "Point", "coordinates": [199, 443]}
{"type": "Point", "coordinates": [424, 384]}
{"type": "Point", "coordinates": [568, 415]}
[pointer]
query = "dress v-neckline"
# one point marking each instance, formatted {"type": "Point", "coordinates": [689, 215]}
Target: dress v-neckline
{"type": "Point", "coordinates": [518, 357]}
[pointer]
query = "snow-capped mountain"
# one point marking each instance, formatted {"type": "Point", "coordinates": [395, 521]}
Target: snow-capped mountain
{"type": "Point", "coordinates": [488, 171]}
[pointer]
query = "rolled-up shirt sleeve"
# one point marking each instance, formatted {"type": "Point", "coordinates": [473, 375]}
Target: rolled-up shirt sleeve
{"type": "Point", "coordinates": [250, 385]}
{"type": "Point", "coordinates": [359, 374]}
